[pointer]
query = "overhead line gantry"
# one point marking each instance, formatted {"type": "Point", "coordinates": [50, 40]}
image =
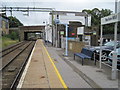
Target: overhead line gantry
{"type": "Point", "coordinates": [26, 9]}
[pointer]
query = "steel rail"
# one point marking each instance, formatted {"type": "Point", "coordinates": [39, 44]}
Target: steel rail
{"type": "Point", "coordinates": [11, 48]}
{"type": "Point", "coordinates": [14, 57]}
{"type": "Point", "coordinates": [13, 85]}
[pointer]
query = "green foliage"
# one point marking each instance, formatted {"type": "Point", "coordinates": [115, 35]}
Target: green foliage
{"type": "Point", "coordinates": [9, 39]}
{"type": "Point", "coordinates": [14, 22]}
{"type": "Point", "coordinates": [105, 12]}
{"type": "Point", "coordinates": [13, 36]}
{"type": "Point", "coordinates": [6, 41]}
{"type": "Point", "coordinates": [96, 16]}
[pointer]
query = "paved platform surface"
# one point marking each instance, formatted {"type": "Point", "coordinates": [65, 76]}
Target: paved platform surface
{"type": "Point", "coordinates": [71, 78]}
{"type": "Point", "coordinates": [40, 72]}
{"type": "Point", "coordinates": [53, 70]}
{"type": "Point", "coordinates": [78, 76]}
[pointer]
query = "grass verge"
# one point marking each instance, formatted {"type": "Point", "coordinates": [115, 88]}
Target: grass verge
{"type": "Point", "coordinates": [7, 42]}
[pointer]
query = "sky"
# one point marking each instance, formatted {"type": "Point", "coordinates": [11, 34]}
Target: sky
{"type": "Point", "coordinates": [37, 18]}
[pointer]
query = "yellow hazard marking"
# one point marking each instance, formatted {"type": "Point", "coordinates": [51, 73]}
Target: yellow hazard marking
{"type": "Point", "coordinates": [58, 74]}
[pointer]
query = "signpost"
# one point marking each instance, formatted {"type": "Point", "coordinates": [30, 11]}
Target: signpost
{"type": "Point", "coordinates": [66, 30]}
{"type": "Point", "coordinates": [66, 49]}
{"type": "Point", "coordinates": [114, 18]}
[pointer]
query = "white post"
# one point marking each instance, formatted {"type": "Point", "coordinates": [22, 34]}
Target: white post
{"type": "Point", "coordinates": [53, 31]}
{"type": "Point", "coordinates": [114, 61]}
{"type": "Point", "coordinates": [66, 47]}
{"type": "Point", "coordinates": [47, 35]}
{"type": "Point", "coordinates": [62, 46]}
{"type": "Point", "coordinates": [101, 40]}
{"type": "Point", "coordinates": [56, 37]}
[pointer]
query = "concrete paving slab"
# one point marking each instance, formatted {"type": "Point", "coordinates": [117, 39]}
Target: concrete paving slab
{"type": "Point", "coordinates": [88, 72]}
{"type": "Point", "coordinates": [71, 78]}
{"type": "Point", "coordinates": [41, 73]}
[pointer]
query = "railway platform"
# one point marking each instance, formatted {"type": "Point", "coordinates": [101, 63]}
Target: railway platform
{"type": "Point", "coordinates": [47, 67]}
{"type": "Point", "coordinates": [40, 71]}
{"type": "Point", "coordinates": [84, 76]}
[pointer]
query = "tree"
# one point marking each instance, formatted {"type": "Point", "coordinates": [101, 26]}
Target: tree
{"type": "Point", "coordinates": [108, 29]}
{"type": "Point", "coordinates": [95, 13]}
{"type": "Point", "coordinates": [13, 35]}
{"type": "Point", "coordinates": [14, 22]}
{"type": "Point", "coordinates": [86, 11]}
{"type": "Point", "coordinates": [96, 16]}
{"type": "Point", "coordinates": [105, 12]}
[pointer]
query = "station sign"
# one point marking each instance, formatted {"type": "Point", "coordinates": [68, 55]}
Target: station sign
{"type": "Point", "coordinates": [110, 19]}
{"type": "Point", "coordinates": [80, 30]}
{"type": "Point", "coordinates": [57, 21]}
{"type": "Point", "coordinates": [73, 34]}
{"type": "Point", "coordinates": [94, 33]}
{"type": "Point", "coordinates": [61, 32]}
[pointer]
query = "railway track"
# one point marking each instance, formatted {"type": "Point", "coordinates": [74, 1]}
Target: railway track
{"type": "Point", "coordinates": [9, 57]}
{"type": "Point", "coordinates": [10, 49]}
{"type": "Point", "coordinates": [14, 63]}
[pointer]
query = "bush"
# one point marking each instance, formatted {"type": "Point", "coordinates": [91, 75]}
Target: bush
{"type": "Point", "coordinates": [6, 41]}
{"type": "Point", "coordinates": [12, 36]}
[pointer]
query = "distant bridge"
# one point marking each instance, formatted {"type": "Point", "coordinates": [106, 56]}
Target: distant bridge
{"type": "Point", "coordinates": [24, 30]}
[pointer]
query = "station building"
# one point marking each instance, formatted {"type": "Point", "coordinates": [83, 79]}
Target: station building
{"type": "Point", "coordinates": [78, 23]}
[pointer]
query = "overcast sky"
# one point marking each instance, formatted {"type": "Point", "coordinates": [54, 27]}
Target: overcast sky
{"type": "Point", "coordinates": [37, 18]}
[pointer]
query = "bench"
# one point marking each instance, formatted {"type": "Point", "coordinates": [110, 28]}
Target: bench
{"type": "Point", "coordinates": [85, 54]}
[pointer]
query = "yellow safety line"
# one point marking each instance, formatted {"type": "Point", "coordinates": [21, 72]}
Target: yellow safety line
{"type": "Point", "coordinates": [59, 76]}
